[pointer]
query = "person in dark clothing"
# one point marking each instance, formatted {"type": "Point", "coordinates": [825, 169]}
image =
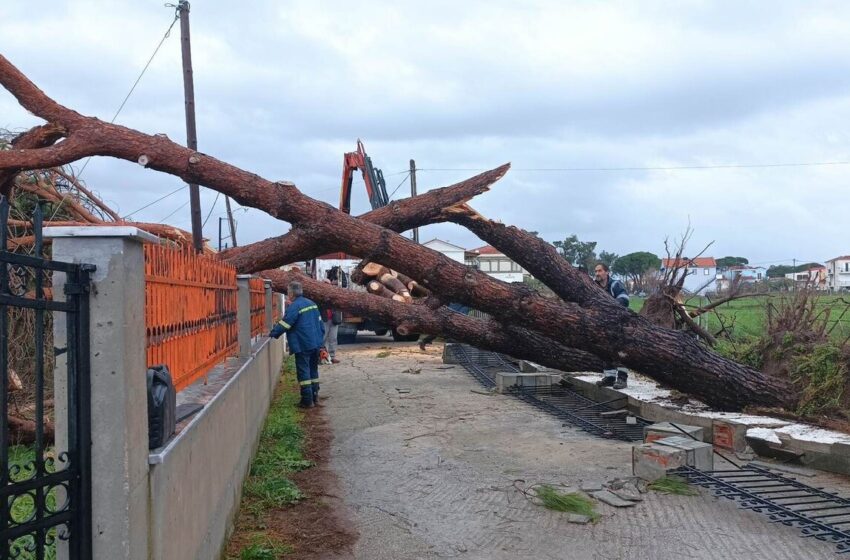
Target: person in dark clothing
{"type": "Point", "coordinates": [429, 338]}
{"type": "Point", "coordinates": [332, 319]}
{"type": "Point", "coordinates": [304, 330]}
{"type": "Point", "coordinates": [612, 375]}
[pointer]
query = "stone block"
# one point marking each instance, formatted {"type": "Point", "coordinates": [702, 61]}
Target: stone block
{"type": "Point", "coordinates": [661, 430]}
{"type": "Point", "coordinates": [699, 455]}
{"type": "Point", "coordinates": [529, 367]}
{"type": "Point", "coordinates": [651, 461]}
{"type": "Point", "coordinates": [533, 380]}
{"type": "Point", "coordinates": [731, 435]}
{"type": "Point", "coordinates": [505, 380]}
{"type": "Point", "coordinates": [449, 354]}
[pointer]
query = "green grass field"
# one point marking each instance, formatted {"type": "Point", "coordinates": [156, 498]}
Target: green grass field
{"type": "Point", "coordinates": [748, 315]}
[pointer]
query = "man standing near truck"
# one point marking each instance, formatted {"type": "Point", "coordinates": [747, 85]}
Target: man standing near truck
{"type": "Point", "coordinates": [612, 375]}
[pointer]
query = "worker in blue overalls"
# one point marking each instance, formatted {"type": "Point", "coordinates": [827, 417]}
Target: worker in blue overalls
{"type": "Point", "coordinates": [304, 330]}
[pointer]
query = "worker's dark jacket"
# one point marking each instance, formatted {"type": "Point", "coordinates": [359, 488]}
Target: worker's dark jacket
{"type": "Point", "coordinates": [616, 289]}
{"type": "Point", "coordinates": [302, 324]}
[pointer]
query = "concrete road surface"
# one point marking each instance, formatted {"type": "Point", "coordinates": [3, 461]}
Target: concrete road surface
{"type": "Point", "coordinates": [429, 469]}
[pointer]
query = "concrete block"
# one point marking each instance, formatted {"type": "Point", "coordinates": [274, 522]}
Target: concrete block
{"type": "Point", "coordinates": [699, 455]}
{"type": "Point", "coordinates": [661, 430]}
{"type": "Point", "coordinates": [651, 461]}
{"type": "Point", "coordinates": [505, 380]}
{"type": "Point", "coordinates": [533, 380]}
{"type": "Point", "coordinates": [577, 518]}
{"type": "Point", "coordinates": [660, 413]}
{"type": "Point", "coordinates": [449, 354]}
{"type": "Point", "coordinates": [731, 435]}
{"type": "Point", "coordinates": [529, 367]}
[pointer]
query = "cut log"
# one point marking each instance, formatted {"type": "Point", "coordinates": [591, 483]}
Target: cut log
{"type": "Point", "coordinates": [395, 285]}
{"type": "Point", "coordinates": [415, 289]}
{"type": "Point", "coordinates": [374, 269]}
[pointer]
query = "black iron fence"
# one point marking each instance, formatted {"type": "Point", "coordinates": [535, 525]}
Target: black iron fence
{"type": "Point", "coordinates": [45, 484]}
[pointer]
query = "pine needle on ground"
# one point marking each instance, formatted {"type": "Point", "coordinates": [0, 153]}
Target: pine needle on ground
{"type": "Point", "coordinates": [672, 485]}
{"type": "Point", "coordinates": [572, 502]}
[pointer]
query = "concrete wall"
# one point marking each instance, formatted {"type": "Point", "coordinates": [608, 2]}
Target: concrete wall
{"type": "Point", "coordinates": [179, 502]}
{"type": "Point", "coordinates": [196, 480]}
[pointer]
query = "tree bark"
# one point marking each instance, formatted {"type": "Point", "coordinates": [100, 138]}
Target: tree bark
{"type": "Point", "coordinates": [36, 137]}
{"type": "Point", "coordinates": [587, 321]}
{"type": "Point", "coordinates": [669, 356]}
{"type": "Point", "coordinates": [417, 318]}
{"type": "Point", "coordinates": [428, 208]}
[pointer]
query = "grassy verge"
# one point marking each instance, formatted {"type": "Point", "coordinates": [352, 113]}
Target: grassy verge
{"type": "Point", "coordinates": [268, 487]}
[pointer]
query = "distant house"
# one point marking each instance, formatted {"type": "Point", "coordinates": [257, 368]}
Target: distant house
{"type": "Point", "coordinates": [701, 273]}
{"type": "Point", "coordinates": [838, 274]}
{"type": "Point", "coordinates": [814, 277]}
{"type": "Point", "coordinates": [495, 263]}
{"type": "Point", "coordinates": [450, 250]}
{"type": "Point", "coordinates": [743, 274]}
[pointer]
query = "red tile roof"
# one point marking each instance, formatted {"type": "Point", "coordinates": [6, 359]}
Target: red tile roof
{"type": "Point", "coordinates": [844, 258]}
{"type": "Point", "coordinates": [700, 262]}
{"type": "Point", "coordinates": [487, 250]}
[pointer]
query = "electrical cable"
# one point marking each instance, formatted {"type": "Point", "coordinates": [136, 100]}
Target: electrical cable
{"type": "Point", "coordinates": [126, 98]}
{"type": "Point", "coordinates": [175, 191]}
{"type": "Point", "coordinates": [399, 186]}
{"type": "Point", "coordinates": [211, 210]}
{"type": "Point", "coordinates": [648, 168]}
{"type": "Point", "coordinates": [182, 206]}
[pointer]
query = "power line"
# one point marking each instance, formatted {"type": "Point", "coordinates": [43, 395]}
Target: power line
{"type": "Point", "coordinates": [648, 168]}
{"type": "Point", "coordinates": [399, 185]}
{"type": "Point", "coordinates": [211, 210]}
{"type": "Point", "coordinates": [160, 199]}
{"type": "Point", "coordinates": [182, 206]}
{"type": "Point", "coordinates": [126, 98]}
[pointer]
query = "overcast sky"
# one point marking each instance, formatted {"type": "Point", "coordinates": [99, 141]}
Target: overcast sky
{"type": "Point", "coordinates": [284, 88]}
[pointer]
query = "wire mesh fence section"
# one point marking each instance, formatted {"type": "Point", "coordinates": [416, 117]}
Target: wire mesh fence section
{"type": "Point", "coordinates": [190, 312]}
{"type": "Point", "coordinates": [257, 288]}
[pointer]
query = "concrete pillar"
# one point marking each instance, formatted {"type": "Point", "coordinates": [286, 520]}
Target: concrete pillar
{"type": "Point", "coordinates": [119, 421]}
{"type": "Point", "coordinates": [269, 310]}
{"type": "Point", "coordinates": [243, 314]}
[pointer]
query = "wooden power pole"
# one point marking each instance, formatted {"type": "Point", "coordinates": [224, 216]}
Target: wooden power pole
{"type": "Point", "coordinates": [191, 132]}
{"type": "Point", "coordinates": [413, 193]}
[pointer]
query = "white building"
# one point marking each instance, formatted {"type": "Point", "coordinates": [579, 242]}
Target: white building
{"type": "Point", "coordinates": [815, 277]}
{"type": "Point", "coordinates": [701, 271]}
{"type": "Point", "coordinates": [450, 250]}
{"type": "Point", "coordinates": [838, 274]}
{"type": "Point", "coordinates": [490, 260]}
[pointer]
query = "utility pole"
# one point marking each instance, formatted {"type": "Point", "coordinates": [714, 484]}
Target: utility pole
{"type": "Point", "coordinates": [230, 221]}
{"type": "Point", "coordinates": [191, 132]}
{"type": "Point", "coordinates": [413, 193]}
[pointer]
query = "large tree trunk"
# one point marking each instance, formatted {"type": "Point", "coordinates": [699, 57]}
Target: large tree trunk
{"type": "Point", "coordinates": [584, 320]}
{"type": "Point", "coordinates": [417, 318]}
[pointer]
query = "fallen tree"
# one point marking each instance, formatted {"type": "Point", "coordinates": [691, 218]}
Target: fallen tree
{"type": "Point", "coordinates": [586, 319]}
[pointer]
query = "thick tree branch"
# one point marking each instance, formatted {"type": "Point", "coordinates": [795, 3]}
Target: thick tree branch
{"type": "Point", "coordinates": [36, 137]}
{"type": "Point", "coordinates": [488, 334]}
{"type": "Point", "coordinates": [428, 208]}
